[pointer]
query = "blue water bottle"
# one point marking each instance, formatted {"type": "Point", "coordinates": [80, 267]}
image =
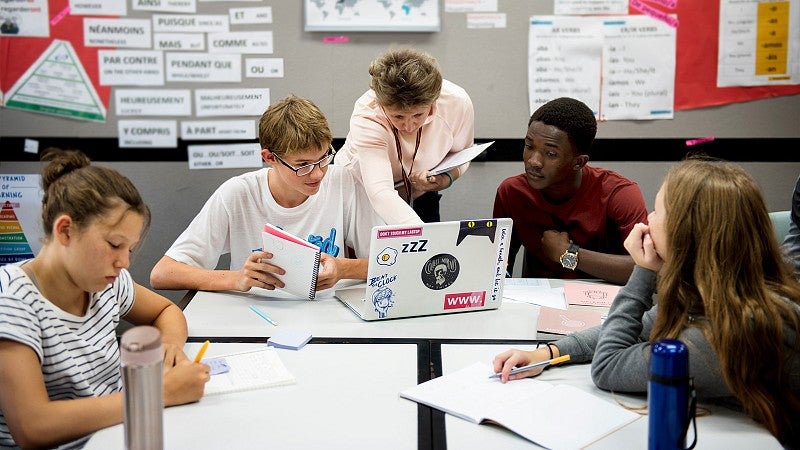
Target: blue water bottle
{"type": "Point", "coordinates": [668, 395]}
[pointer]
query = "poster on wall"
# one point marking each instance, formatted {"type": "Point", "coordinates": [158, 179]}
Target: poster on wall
{"type": "Point", "coordinates": [20, 226]}
{"type": "Point", "coordinates": [57, 70]}
{"type": "Point", "coordinates": [24, 18]}
{"type": "Point", "coordinates": [366, 15]}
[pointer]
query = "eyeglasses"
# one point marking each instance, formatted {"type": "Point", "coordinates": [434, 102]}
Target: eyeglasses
{"type": "Point", "coordinates": [306, 169]}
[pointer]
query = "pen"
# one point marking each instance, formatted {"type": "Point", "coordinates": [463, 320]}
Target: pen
{"type": "Point", "coordinates": [549, 362]}
{"type": "Point", "coordinates": [202, 352]}
{"type": "Point", "coordinates": [263, 316]}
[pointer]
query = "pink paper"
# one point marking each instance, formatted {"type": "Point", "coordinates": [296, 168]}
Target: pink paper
{"type": "Point", "coordinates": [590, 294]}
{"type": "Point", "coordinates": [654, 13]}
{"type": "Point", "coordinates": [567, 321]}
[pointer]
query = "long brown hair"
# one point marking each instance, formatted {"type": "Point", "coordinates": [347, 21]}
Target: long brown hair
{"type": "Point", "coordinates": [724, 263]}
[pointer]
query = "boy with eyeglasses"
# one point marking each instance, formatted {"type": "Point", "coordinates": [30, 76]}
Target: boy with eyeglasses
{"type": "Point", "coordinates": [300, 192]}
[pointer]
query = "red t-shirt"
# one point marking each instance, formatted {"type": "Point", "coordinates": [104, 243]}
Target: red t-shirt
{"type": "Point", "coordinates": [598, 217]}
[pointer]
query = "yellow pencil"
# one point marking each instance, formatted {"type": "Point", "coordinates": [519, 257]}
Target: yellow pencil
{"type": "Point", "coordinates": [202, 352]}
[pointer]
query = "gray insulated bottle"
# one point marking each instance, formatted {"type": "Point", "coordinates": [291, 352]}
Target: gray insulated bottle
{"type": "Point", "coordinates": [142, 365]}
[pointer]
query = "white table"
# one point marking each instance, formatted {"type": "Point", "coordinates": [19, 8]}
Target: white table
{"type": "Point", "coordinates": [227, 314]}
{"type": "Point", "coordinates": [346, 397]}
{"type": "Point", "coordinates": [723, 429]}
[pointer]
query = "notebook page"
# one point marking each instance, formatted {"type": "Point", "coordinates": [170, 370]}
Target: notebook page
{"type": "Point", "coordinates": [250, 370]}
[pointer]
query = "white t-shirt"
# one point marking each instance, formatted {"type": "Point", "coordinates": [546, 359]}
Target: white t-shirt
{"type": "Point", "coordinates": [79, 355]}
{"type": "Point", "coordinates": [231, 221]}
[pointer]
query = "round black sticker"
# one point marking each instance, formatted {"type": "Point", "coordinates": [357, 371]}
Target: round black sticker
{"type": "Point", "coordinates": [440, 271]}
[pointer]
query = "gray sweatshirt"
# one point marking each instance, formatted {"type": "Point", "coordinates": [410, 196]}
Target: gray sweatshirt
{"type": "Point", "coordinates": [620, 351]}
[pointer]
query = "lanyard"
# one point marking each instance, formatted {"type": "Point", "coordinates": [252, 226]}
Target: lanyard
{"type": "Point", "coordinates": [406, 180]}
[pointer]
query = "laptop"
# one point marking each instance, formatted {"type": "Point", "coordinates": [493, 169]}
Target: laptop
{"type": "Point", "coordinates": [433, 268]}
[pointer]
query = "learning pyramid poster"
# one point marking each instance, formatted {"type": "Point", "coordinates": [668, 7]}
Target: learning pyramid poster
{"type": "Point", "coordinates": [20, 229]}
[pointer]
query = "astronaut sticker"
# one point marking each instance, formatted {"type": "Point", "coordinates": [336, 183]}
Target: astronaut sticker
{"type": "Point", "coordinates": [440, 271]}
{"type": "Point", "coordinates": [486, 228]}
{"type": "Point", "coordinates": [382, 300]}
{"type": "Point", "coordinates": [387, 257]}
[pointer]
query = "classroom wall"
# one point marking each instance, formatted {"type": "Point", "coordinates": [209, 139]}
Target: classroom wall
{"type": "Point", "coordinates": [491, 64]}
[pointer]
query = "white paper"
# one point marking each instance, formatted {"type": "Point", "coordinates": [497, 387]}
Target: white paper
{"type": "Point", "coordinates": [453, 6]}
{"type": "Point", "coordinates": [131, 67]}
{"type": "Point", "coordinates": [232, 156]}
{"type": "Point", "coordinates": [264, 67]}
{"type": "Point", "coordinates": [638, 83]}
{"type": "Point", "coordinates": [147, 133]}
{"type": "Point", "coordinates": [455, 159]}
{"type": "Point", "coordinates": [536, 410]}
{"type": "Point", "coordinates": [98, 7]}
{"type": "Point", "coordinates": [252, 42]}
{"type": "Point", "coordinates": [564, 55]}
{"type": "Point", "coordinates": [148, 102]}
{"type": "Point", "coordinates": [24, 18]}
{"type": "Point", "coordinates": [759, 43]}
{"type": "Point", "coordinates": [249, 16]}
{"type": "Point", "coordinates": [542, 296]}
{"type": "Point", "coordinates": [180, 6]}
{"type": "Point", "coordinates": [197, 23]}
{"type": "Point", "coordinates": [204, 68]}
{"type": "Point", "coordinates": [218, 129]}
{"type": "Point", "coordinates": [179, 41]}
{"type": "Point", "coordinates": [572, 7]}
{"type": "Point", "coordinates": [486, 20]}
{"type": "Point", "coordinates": [127, 33]}
{"type": "Point", "coordinates": [231, 102]}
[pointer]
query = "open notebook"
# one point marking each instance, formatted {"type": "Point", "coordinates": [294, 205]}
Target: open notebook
{"type": "Point", "coordinates": [553, 416]}
{"type": "Point", "coordinates": [245, 371]}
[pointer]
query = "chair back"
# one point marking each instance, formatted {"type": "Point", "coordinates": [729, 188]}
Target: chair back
{"type": "Point", "coordinates": [780, 223]}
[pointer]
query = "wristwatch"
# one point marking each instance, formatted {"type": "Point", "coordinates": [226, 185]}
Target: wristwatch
{"type": "Point", "coordinates": [569, 260]}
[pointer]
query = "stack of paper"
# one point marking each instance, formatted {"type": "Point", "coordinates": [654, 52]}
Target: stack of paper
{"type": "Point", "coordinates": [256, 369]}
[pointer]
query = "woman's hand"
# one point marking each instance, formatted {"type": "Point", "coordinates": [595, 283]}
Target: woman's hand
{"type": "Point", "coordinates": [642, 249]}
{"type": "Point", "coordinates": [425, 182]}
{"type": "Point", "coordinates": [259, 273]}
{"type": "Point", "coordinates": [504, 362]}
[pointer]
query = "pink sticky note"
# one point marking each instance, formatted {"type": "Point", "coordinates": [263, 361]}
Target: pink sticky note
{"type": "Point", "coordinates": [59, 16]}
{"type": "Point", "coordinates": [654, 13]}
{"type": "Point", "coordinates": [589, 294]}
{"type": "Point", "coordinates": [336, 39]}
{"type": "Point", "coordinates": [691, 142]}
{"type": "Point", "coordinates": [567, 321]}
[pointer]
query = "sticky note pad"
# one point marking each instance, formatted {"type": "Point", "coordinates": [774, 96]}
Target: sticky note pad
{"type": "Point", "coordinates": [218, 365]}
{"type": "Point", "coordinates": [289, 339]}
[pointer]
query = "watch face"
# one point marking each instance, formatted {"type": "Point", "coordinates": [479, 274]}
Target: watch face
{"type": "Point", "coordinates": [569, 261]}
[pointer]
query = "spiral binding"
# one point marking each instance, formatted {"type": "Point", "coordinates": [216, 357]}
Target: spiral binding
{"type": "Point", "coordinates": [314, 275]}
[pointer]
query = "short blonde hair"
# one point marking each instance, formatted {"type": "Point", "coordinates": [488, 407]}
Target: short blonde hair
{"type": "Point", "coordinates": [405, 78]}
{"type": "Point", "coordinates": [293, 125]}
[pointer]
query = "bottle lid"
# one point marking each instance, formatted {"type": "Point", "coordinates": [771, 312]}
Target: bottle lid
{"type": "Point", "coordinates": [141, 346]}
{"type": "Point", "coordinates": [669, 358]}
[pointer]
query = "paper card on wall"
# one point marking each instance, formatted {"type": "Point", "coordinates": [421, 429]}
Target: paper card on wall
{"type": "Point", "coordinates": [21, 234]}
{"type": "Point", "coordinates": [57, 84]}
{"type": "Point", "coordinates": [24, 18]}
{"type": "Point", "coordinates": [99, 7]}
{"type": "Point", "coordinates": [147, 133]}
{"type": "Point", "coordinates": [590, 294]}
{"type": "Point", "coordinates": [567, 321]}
